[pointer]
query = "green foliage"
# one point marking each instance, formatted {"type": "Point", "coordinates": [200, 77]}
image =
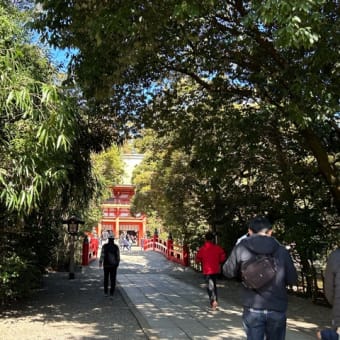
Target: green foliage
{"type": "Point", "coordinates": [26, 250]}
{"type": "Point", "coordinates": [281, 55]}
{"type": "Point", "coordinates": [164, 190]}
{"type": "Point", "coordinates": [107, 168]}
{"type": "Point", "coordinates": [242, 99]}
{"type": "Point", "coordinates": [17, 278]}
{"type": "Point", "coordinates": [45, 144]}
{"type": "Point", "coordinates": [298, 24]}
{"type": "Point", "coordinates": [37, 121]}
{"type": "Point", "coordinates": [228, 171]}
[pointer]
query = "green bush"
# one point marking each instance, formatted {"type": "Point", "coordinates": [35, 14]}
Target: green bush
{"type": "Point", "coordinates": [17, 278]}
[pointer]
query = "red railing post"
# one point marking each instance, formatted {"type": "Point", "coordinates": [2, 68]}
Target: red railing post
{"type": "Point", "coordinates": [169, 246]}
{"type": "Point", "coordinates": [95, 247]}
{"type": "Point", "coordinates": [86, 246]}
{"type": "Point", "coordinates": [155, 239]}
{"type": "Point", "coordinates": [185, 255]}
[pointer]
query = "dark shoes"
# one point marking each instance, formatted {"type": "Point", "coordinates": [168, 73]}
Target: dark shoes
{"type": "Point", "coordinates": [107, 294]}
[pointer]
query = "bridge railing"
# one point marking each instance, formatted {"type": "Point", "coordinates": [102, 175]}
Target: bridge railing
{"type": "Point", "coordinates": [90, 249]}
{"type": "Point", "coordinates": [173, 252]}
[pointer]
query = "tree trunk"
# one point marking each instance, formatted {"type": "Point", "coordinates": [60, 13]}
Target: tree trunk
{"type": "Point", "coordinates": [327, 170]}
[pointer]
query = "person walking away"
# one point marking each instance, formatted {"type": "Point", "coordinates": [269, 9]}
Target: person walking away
{"type": "Point", "coordinates": [104, 237]}
{"type": "Point", "coordinates": [126, 244]}
{"type": "Point", "coordinates": [264, 309]}
{"type": "Point", "coordinates": [142, 243]}
{"type": "Point", "coordinates": [332, 292]}
{"type": "Point", "coordinates": [110, 259]}
{"type": "Point", "coordinates": [211, 256]}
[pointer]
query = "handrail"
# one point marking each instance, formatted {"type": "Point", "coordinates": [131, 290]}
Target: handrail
{"type": "Point", "coordinates": [173, 252]}
{"type": "Point", "coordinates": [90, 249]}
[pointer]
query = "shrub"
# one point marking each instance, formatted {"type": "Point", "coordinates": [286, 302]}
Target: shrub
{"type": "Point", "coordinates": [17, 278]}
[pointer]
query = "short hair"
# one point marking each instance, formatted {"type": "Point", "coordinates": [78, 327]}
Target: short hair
{"type": "Point", "coordinates": [209, 236]}
{"type": "Point", "coordinates": [259, 223]}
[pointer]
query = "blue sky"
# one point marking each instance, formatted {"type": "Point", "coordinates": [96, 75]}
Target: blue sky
{"type": "Point", "coordinates": [60, 57]}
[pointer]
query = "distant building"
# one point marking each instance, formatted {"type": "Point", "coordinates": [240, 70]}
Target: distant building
{"type": "Point", "coordinates": [131, 161]}
{"type": "Point", "coordinates": [116, 209]}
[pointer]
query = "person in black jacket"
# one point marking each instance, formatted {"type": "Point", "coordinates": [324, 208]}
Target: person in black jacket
{"type": "Point", "coordinates": [264, 309]}
{"type": "Point", "coordinates": [109, 259]}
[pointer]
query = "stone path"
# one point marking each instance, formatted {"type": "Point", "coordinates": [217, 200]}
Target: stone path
{"type": "Point", "coordinates": [155, 299]}
{"type": "Point", "coordinates": [173, 301]}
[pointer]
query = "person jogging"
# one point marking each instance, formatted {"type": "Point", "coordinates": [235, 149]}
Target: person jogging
{"type": "Point", "coordinates": [211, 256]}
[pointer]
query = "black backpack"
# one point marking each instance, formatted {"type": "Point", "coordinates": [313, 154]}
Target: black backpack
{"type": "Point", "coordinates": [259, 271]}
{"type": "Point", "coordinates": [111, 255]}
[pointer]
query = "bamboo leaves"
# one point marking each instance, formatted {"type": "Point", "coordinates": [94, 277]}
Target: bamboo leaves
{"type": "Point", "coordinates": [36, 122]}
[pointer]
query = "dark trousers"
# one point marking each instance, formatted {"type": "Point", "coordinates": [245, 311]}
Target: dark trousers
{"type": "Point", "coordinates": [211, 286]}
{"type": "Point", "coordinates": [112, 273]}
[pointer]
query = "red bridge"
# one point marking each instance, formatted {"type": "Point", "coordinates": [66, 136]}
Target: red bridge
{"type": "Point", "coordinates": [171, 251]}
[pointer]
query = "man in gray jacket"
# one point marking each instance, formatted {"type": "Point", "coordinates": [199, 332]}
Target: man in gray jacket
{"type": "Point", "coordinates": [332, 292]}
{"type": "Point", "coordinates": [264, 309]}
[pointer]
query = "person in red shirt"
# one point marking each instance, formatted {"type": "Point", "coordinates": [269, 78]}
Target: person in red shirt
{"type": "Point", "coordinates": [211, 256]}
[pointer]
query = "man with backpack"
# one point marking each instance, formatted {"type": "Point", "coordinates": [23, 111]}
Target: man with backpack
{"type": "Point", "coordinates": [265, 268]}
{"type": "Point", "coordinates": [109, 259]}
